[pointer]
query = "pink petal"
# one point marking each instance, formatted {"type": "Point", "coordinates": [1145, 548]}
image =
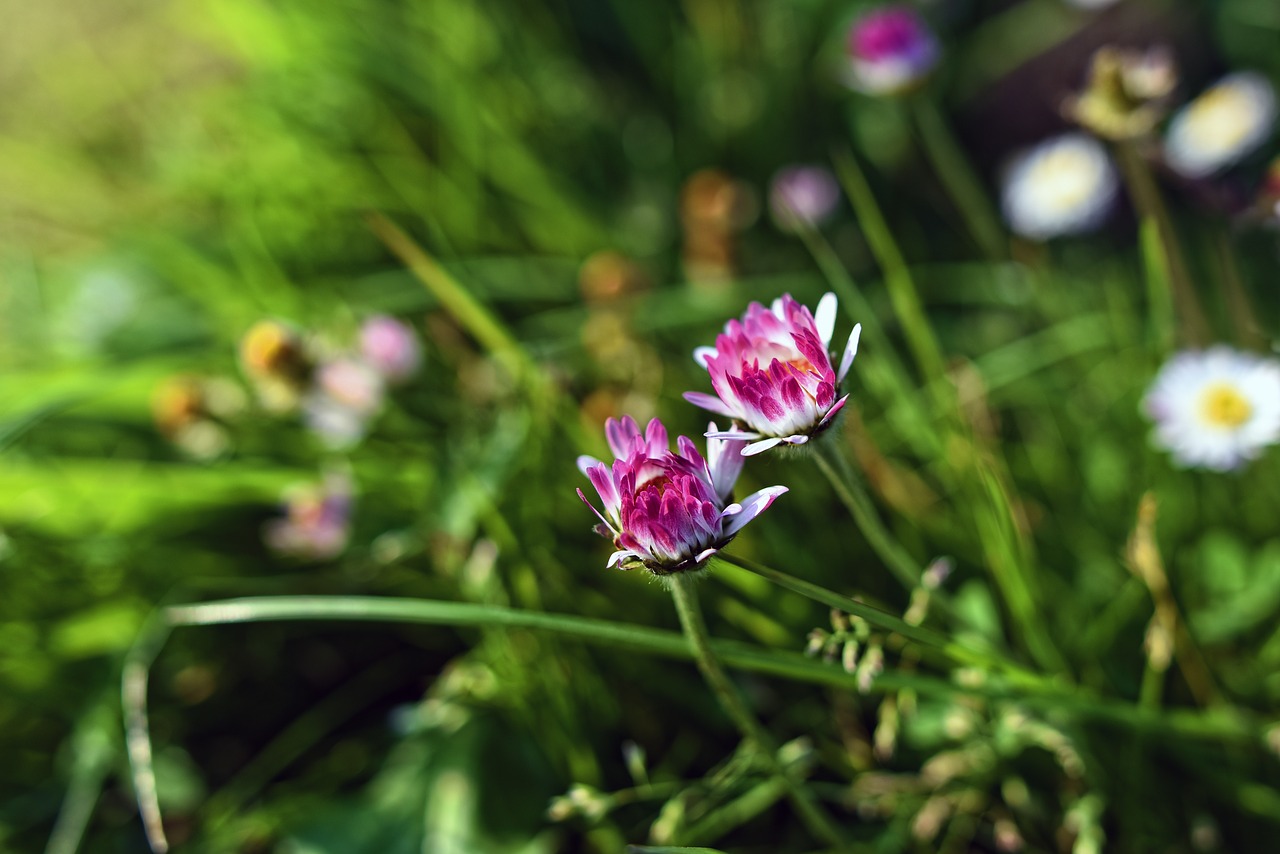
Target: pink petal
{"type": "Point", "coordinates": [709, 402]}
{"type": "Point", "coordinates": [585, 462]}
{"type": "Point", "coordinates": [597, 512]}
{"type": "Point", "coordinates": [724, 463]}
{"type": "Point", "coordinates": [833, 411]}
{"type": "Point", "coordinates": [702, 355]}
{"type": "Point", "coordinates": [621, 435]}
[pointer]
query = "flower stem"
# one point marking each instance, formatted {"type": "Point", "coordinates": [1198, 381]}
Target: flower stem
{"type": "Point", "coordinates": [686, 598]}
{"type": "Point", "coordinates": [897, 277]}
{"type": "Point", "coordinates": [856, 500]}
{"type": "Point", "coordinates": [956, 174]}
{"type": "Point", "coordinates": [1151, 208]}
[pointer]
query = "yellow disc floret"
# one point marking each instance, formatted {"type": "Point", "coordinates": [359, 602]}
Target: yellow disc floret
{"type": "Point", "coordinates": [1222, 405]}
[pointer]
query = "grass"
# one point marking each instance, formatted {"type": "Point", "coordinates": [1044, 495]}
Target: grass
{"type": "Point", "coordinates": [467, 676]}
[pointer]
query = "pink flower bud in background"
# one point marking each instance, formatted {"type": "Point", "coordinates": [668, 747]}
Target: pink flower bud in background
{"type": "Point", "coordinates": [803, 197]}
{"type": "Point", "coordinates": [390, 347]}
{"type": "Point", "coordinates": [317, 521]}
{"type": "Point", "coordinates": [346, 395]}
{"type": "Point", "coordinates": [668, 512]}
{"type": "Point", "coordinates": [351, 383]}
{"type": "Point", "coordinates": [891, 50]}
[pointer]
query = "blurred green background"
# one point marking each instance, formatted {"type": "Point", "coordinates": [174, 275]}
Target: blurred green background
{"type": "Point", "coordinates": [171, 173]}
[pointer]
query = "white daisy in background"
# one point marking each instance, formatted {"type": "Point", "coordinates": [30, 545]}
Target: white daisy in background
{"type": "Point", "coordinates": [1064, 185]}
{"type": "Point", "coordinates": [1215, 408]}
{"type": "Point", "coordinates": [1229, 121]}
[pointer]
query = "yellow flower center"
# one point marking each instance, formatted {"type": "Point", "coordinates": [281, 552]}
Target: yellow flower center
{"type": "Point", "coordinates": [1223, 405]}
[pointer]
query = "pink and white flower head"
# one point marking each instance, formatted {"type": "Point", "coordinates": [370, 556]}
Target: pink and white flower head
{"type": "Point", "coordinates": [317, 520]}
{"type": "Point", "coordinates": [668, 511]}
{"type": "Point", "coordinates": [1215, 409]}
{"type": "Point", "coordinates": [773, 374]}
{"type": "Point", "coordinates": [346, 395]}
{"type": "Point", "coordinates": [352, 384]}
{"type": "Point", "coordinates": [390, 348]}
{"type": "Point", "coordinates": [802, 197]}
{"type": "Point", "coordinates": [891, 50]}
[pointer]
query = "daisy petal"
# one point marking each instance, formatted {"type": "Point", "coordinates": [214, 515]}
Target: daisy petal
{"type": "Point", "coordinates": [752, 506]}
{"type": "Point", "coordinates": [825, 318]}
{"type": "Point", "coordinates": [597, 512]}
{"type": "Point", "coordinates": [850, 350]}
{"type": "Point", "coordinates": [833, 411]}
{"type": "Point", "coordinates": [586, 462]}
{"type": "Point", "coordinates": [760, 447]}
{"type": "Point", "coordinates": [731, 435]}
{"type": "Point", "coordinates": [709, 402]}
{"type": "Point", "coordinates": [702, 355]}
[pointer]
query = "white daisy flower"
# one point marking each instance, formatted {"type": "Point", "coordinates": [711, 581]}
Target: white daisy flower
{"type": "Point", "coordinates": [1064, 185]}
{"type": "Point", "coordinates": [1229, 121]}
{"type": "Point", "coordinates": [1215, 408]}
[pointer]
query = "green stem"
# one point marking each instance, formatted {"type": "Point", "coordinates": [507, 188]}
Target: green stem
{"type": "Point", "coordinates": [1147, 199]}
{"type": "Point", "coordinates": [1243, 317]}
{"type": "Point", "coordinates": [686, 600]}
{"type": "Point", "coordinates": [1054, 695]}
{"type": "Point", "coordinates": [952, 167]}
{"type": "Point", "coordinates": [856, 500]}
{"type": "Point", "coordinates": [931, 641]}
{"type": "Point", "coordinates": [897, 277]}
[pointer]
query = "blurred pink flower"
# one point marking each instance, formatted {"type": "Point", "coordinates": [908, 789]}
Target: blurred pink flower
{"type": "Point", "coordinates": [347, 393]}
{"type": "Point", "coordinates": [668, 512]}
{"type": "Point", "coordinates": [890, 51]}
{"type": "Point", "coordinates": [390, 347]}
{"type": "Point", "coordinates": [317, 521]}
{"type": "Point", "coordinates": [772, 373]}
{"type": "Point", "coordinates": [803, 197]}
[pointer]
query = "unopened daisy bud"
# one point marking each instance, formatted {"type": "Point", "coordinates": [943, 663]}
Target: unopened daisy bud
{"type": "Point", "coordinates": [636, 762]}
{"type": "Point", "coordinates": [669, 511]}
{"type": "Point", "coordinates": [317, 520]}
{"type": "Point", "coordinates": [1225, 124]}
{"type": "Point", "coordinates": [885, 738]}
{"type": "Point", "coordinates": [802, 197]}
{"type": "Point", "coordinates": [390, 347]}
{"type": "Point", "coordinates": [1215, 409]}
{"type": "Point", "coordinates": [817, 642]}
{"type": "Point", "coordinates": [849, 656]}
{"type": "Point", "coordinates": [1126, 92]}
{"type": "Point", "coordinates": [871, 667]}
{"type": "Point", "coordinates": [891, 51]}
{"type": "Point", "coordinates": [839, 621]}
{"type": "Point", "coordinates": [937, 573]}
{"type": "Point", "coordinates": [773, 374]}
{"type": "Point", "coordinates": [1065, 185]}
{"type": "Point", "coordinates": [931, 817]}
{"type": "Point", "coordinates": [1007, 836]}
